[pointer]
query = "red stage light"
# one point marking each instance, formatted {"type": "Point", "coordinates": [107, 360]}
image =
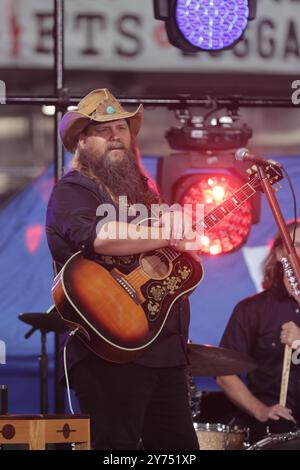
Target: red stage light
{"type": "Point", "coordinates": [33, 237]}
{"type": "Point", "coordinates": [211, 190]}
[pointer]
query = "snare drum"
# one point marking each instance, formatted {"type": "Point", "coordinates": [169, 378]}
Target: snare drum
{"type": "Point", "coordinates": [286, 441]}
{"type": "Point", "coordinates": [217, 436]}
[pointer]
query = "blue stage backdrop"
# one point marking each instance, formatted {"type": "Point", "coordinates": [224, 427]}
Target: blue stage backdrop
{"type": "Point", "coordinates": [26, 277]}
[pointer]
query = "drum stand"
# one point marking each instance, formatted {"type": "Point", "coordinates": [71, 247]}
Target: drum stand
{"type": "Point", "coordinates": [194, 395]}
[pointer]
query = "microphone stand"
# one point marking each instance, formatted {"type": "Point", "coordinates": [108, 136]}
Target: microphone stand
{"type": "Point", "coordinates": [294, 263]}
{"type": "Point", "coordinates": [43, 368]}
{"type": "Point", "coordinates": [45, 323]}
{"type": "Point", "coordinates": [43, 362]}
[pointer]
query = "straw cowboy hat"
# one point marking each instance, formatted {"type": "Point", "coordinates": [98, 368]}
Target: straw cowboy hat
{"type": "Point", "coordinates": [100, 106]}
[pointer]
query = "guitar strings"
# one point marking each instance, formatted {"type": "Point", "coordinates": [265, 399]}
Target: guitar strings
{"type": "Point", "coordinates": [139, 275]}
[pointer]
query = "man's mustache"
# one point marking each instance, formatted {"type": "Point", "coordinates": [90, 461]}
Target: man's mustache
{"type": "Point", "coordinates": [115, 146]}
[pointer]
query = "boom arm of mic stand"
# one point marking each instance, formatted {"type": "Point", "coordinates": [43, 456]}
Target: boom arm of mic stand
{"type": "Point", "coordinates": [279, 219]}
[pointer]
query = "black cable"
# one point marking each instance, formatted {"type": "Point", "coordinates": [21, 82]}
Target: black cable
{"type": "Point", "coordinates": [294, 202]}
{"type": "Point", "coordinates": [211, 112]}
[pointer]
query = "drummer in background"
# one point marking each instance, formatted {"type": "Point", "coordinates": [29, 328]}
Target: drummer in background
{"type": "Point", "coordinates": [260, 326]}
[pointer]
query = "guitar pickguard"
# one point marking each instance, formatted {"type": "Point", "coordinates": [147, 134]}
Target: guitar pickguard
{"type": "Point", "coordinates": [160, 293]}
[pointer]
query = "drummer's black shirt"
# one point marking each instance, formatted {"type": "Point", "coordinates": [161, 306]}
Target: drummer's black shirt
{"type": "Point", "coordinates": [254, 329]}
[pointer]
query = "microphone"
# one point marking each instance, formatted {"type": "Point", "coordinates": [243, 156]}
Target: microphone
{"type": "Point", "coordinates": [243, 155]}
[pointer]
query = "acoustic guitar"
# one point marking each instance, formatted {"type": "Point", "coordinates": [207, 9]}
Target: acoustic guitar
{"type": "Point", "coordinates": [120, 304]}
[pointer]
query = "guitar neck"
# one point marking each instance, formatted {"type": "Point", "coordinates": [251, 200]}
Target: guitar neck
{"type": "Point", "coordinates": [217, 214]}
{"type": "Point", "coordinates": [233, 202]}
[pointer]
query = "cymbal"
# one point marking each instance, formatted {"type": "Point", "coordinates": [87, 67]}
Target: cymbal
{"type": "Point", "coordinates": [206, 360]}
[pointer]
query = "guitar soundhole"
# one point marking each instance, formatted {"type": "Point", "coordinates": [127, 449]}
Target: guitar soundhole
{"type": "Point", "coordinates": [155, 264]}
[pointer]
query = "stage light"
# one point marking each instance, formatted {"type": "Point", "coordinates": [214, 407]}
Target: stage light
{"type": "Point", "coordinates": [48, 110]}
{"type": "Point", "coordinates": [218, 193]}
{"type": "Point", "coordinates": [215, 249]}
{"type": "Point", "coordinates": [210, 178]}
{"type": "Point", "coordinates": [72, 108]}
{"type": "Point", "coordinates": [210, 25]}
{"type": "Point", "coordinates": [208, 132]}
{"type": "Point", "coordinates": [211, 191]}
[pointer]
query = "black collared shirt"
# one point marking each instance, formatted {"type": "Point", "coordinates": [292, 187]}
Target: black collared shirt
{"type": "Point", "coordinates": [71, 227]}
{"type": "Point", "coordinates": [254, 329]}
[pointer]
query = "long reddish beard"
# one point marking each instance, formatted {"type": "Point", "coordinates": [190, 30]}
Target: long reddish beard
{"type": "Point", "coordinates": [121, 177]}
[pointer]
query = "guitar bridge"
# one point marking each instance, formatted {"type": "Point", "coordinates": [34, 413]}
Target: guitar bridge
{"type": "Point", "coordinates": [126, 286]}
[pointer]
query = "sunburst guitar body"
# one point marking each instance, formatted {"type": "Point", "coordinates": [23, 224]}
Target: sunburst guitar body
{"type": "Point", "coordinates": [121, 304]}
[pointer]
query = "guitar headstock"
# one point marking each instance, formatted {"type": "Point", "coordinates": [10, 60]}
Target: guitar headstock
{"type": "Point", "coordinates": [274, 175]}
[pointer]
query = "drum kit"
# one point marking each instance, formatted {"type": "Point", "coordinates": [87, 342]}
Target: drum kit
{"type": "Point", "coordinates": [207, 360]}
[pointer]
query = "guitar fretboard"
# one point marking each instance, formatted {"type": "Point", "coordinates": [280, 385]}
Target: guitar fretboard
{"type": "Point", "coordinates": [217, 214]}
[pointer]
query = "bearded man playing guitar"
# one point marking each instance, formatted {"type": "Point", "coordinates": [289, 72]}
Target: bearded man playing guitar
{"type": "Point", "coordinates": [127, 295]}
